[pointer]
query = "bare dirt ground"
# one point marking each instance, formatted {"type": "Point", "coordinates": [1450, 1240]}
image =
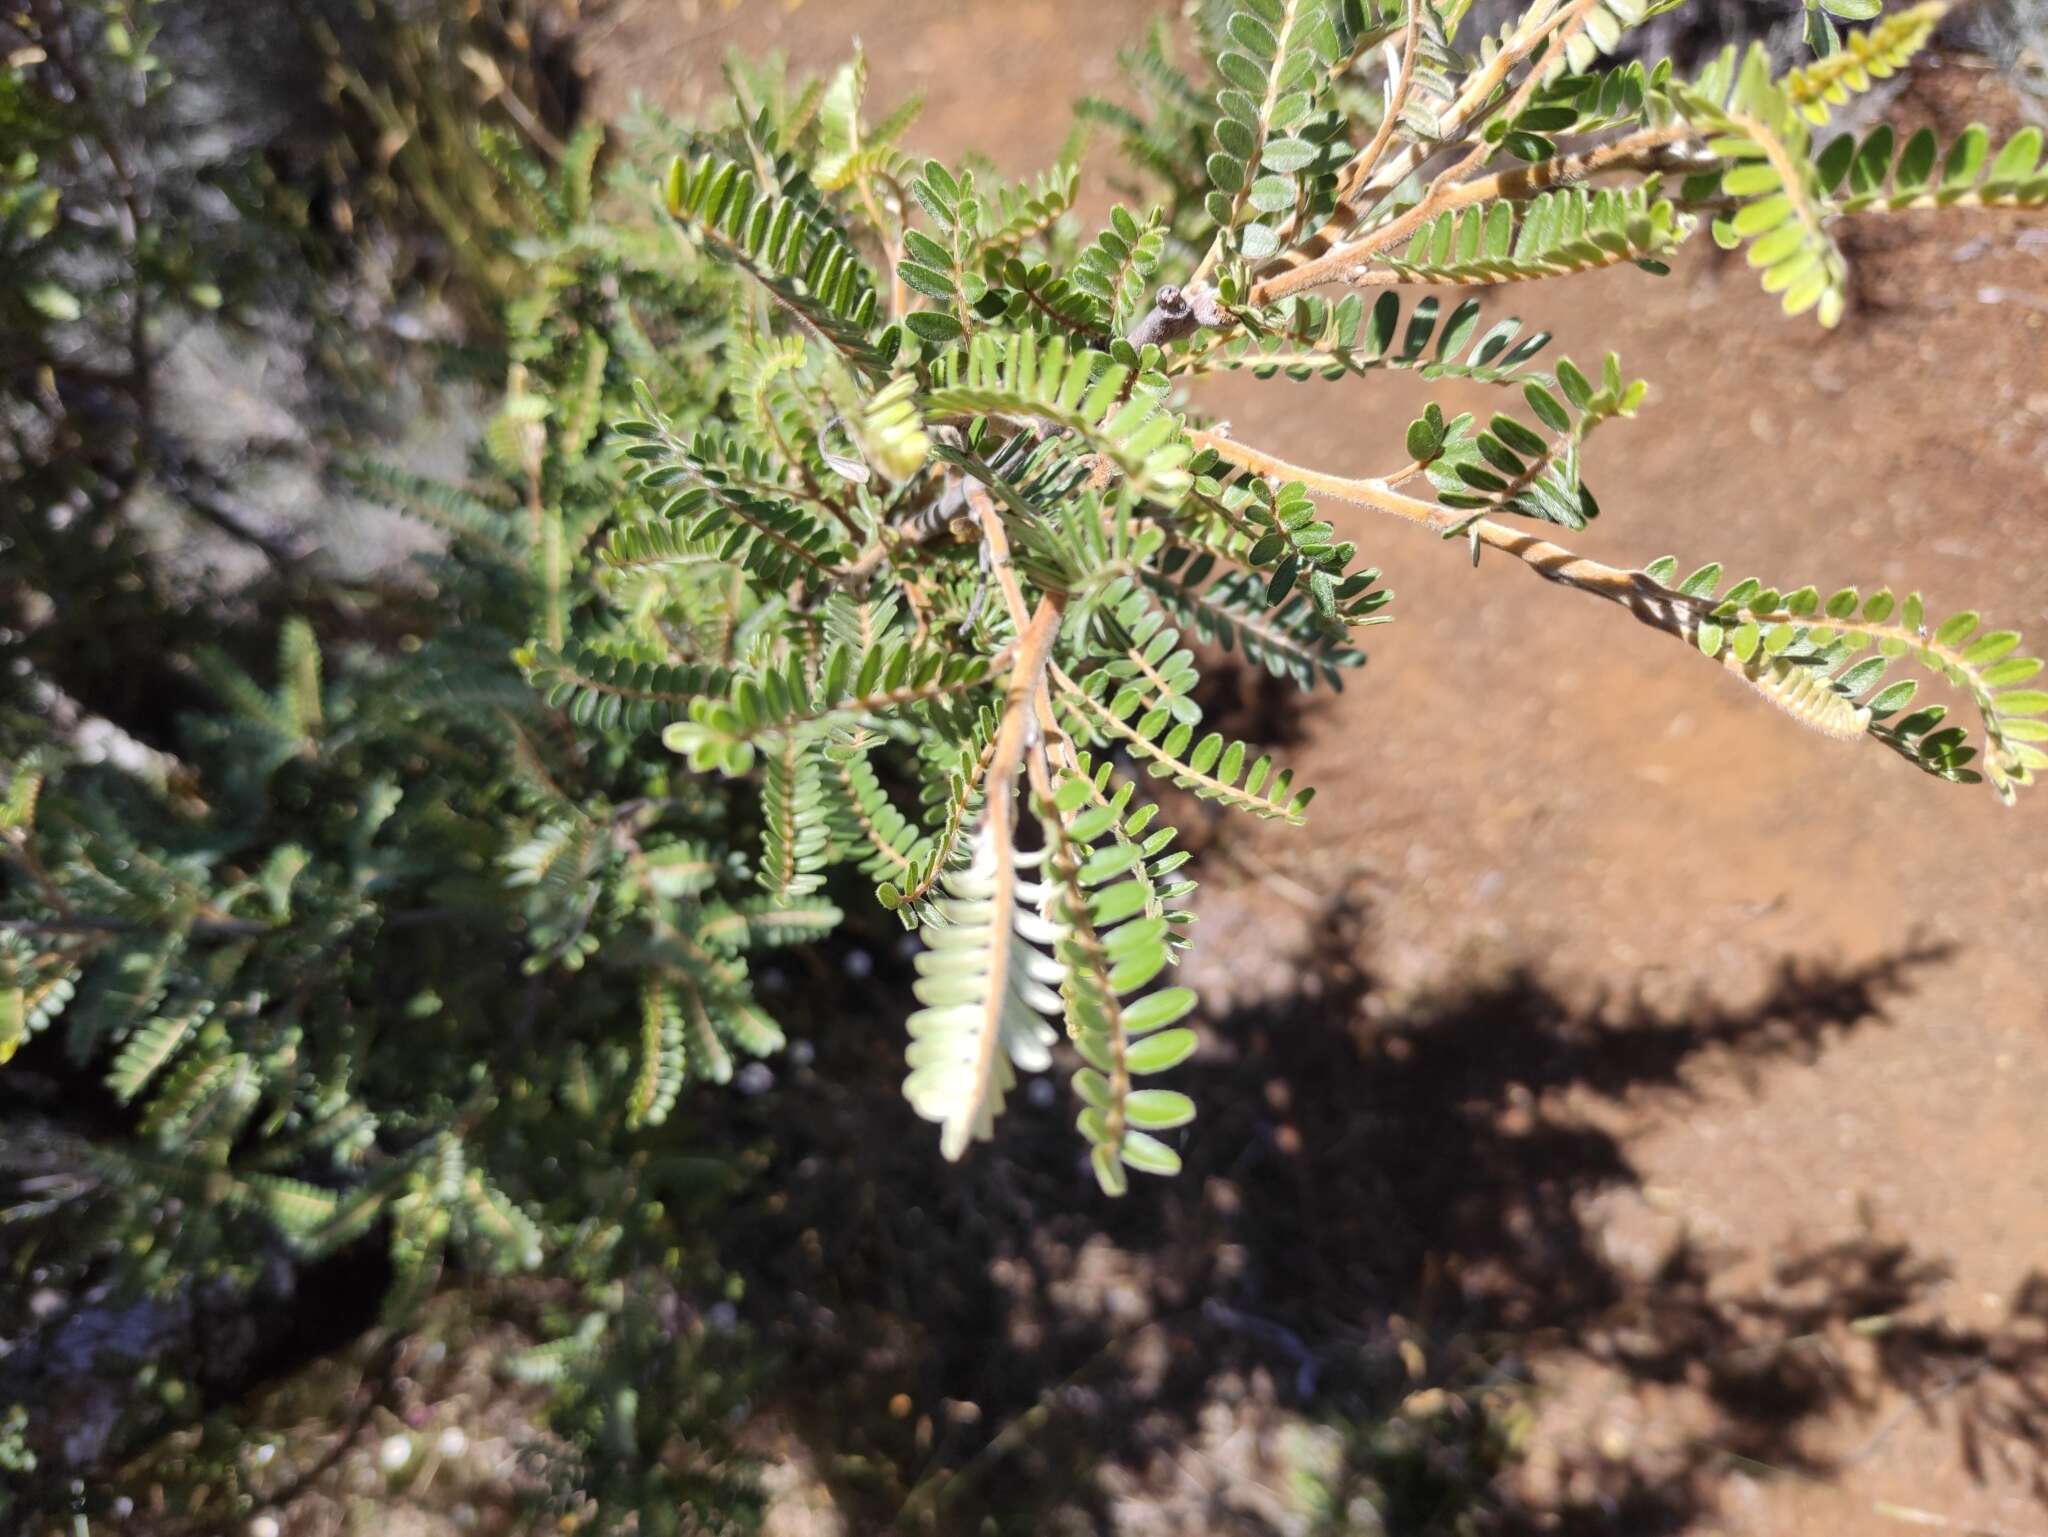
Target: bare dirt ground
{"type": "Point", "coordinates": [1662, 1080]}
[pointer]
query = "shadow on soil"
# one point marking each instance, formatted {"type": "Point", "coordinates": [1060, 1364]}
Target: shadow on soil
{"type": "Point", "coordinates": [1382, 1220]}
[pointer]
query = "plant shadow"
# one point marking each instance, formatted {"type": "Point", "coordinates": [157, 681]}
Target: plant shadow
{"type": "Point", "coordinates": [1383, 1229]}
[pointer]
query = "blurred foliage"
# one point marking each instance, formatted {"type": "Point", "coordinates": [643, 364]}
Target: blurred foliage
{"type": "Point", "coordinates": [268, 884]}
{"type": "Point", "coordinates": [428, 1428]}
{"type": "Point", "coordinates": [118, 228]}
{"type": "Point", "coordinates": [407, 85]}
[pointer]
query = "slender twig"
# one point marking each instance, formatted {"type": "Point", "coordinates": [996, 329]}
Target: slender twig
{"type": "Point", "coordinates": [1178, 312]}
{"type": "Point", "coordinates": [998, 539]}
{"type": "Point", "coordinates": [1016, 736]}
{"type": "Point", "coordinates": [1020, 709]}
{"type": "Point", "coordinates": [1649, 600]}
{"type": "Point", "coordinates": [1065, 322]}
{"type": "Point", "coordinates": [1361, 168]}
{"type": "Point", "coordinates": [1344, 263]}
{"type": "Point", "coordinates": [1789, 167]}
{"type": "Point", "coordinates": [899, 296]}
{"type": "Point", "coordinates": [1637, 151]}
{"type": "Point", "coordinates": [1466, 112]}
{"type": "Point", "coordinates": [497, 88]}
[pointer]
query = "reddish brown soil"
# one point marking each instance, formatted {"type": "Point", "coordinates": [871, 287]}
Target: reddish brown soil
{"type": "Point", "coordinates": [1748, 1038]}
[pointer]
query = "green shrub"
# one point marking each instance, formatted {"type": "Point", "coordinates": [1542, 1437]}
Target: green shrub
{"type": "Point", "coordinates": [964, 483]}
{"type": "Point", "coordinates": [849, 510]}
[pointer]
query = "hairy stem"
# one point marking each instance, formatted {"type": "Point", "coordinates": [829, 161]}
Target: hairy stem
{"type": "Point", "coordinates": [1649, 600]}
{"type": "Point", "coordinates": [1636, 151]}
{"type": "Point", "coordinates": [1361, 168]}
{"type": "Point", "coordinates": [1021, 712]}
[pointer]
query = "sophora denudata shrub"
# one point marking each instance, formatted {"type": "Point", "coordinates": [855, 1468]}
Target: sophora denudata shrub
{"type": "Point", "coordinates": [966, 485]}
